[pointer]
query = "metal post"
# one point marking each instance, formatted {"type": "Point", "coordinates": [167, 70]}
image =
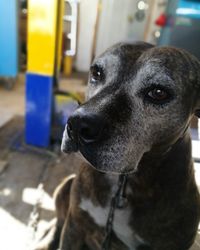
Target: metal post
{"type": "Point", "coordinates": [44, 54]}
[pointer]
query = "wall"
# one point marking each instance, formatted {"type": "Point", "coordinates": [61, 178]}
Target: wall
{"type": "Point", "coordinates": [87, 19]}
{"type": "Point", "coordinates": [158, 8]}
{"type": "Point", "coordinates": [118, 23]}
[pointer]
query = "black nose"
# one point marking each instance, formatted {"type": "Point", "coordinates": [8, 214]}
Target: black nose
{"type": "Point", "coordinates": [85, 127]}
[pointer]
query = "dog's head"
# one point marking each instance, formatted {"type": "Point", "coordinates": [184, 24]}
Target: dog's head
{"type": "Point", "coordinates": [140, 98]}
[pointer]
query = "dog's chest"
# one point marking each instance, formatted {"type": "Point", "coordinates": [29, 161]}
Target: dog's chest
{"type": "Point", "coordinates": [121, 221]}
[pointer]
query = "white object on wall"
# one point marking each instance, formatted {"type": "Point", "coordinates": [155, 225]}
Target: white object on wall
{"type": "Point", "coordinates": [87, 19]}
{"type": "Point", "coordinates": [117, 23]}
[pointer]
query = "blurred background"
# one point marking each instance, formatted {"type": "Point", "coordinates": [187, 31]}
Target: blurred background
{"type": "Point", "coordinates": [46, 48]}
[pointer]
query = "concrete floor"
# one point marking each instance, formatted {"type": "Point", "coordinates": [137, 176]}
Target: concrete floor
{"type": "Point", "coordinates": [21, 171]}
{"type": "Point", "coordinates": [25, 170]}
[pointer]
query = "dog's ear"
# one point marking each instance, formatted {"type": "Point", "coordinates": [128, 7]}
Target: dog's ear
{"type": "Point", "coordinates": [196, 84]}
{"type": "Point", "coordinates": [197, 113]}
{"type": "Point", "coordinates": [197, 106]}
{"type": "Point", "coordinates": [193, 66]}
{"type": "Point", "coordinates": [197, 110]}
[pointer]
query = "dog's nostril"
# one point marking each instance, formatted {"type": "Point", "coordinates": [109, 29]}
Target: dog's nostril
{"type": "Point", "coordinates": [88, 134]}
{"type": "Point", "coordinates": [85, 128]}
{"type": "Point", "coordinates": [70, 130]}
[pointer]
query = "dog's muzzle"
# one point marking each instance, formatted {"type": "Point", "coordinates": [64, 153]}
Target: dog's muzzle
{"type": "Point", "coordinates": [83, 128]}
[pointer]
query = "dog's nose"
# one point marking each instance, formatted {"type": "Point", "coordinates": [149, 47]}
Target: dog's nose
{"type": "Point", "coordinates": [85, 127]}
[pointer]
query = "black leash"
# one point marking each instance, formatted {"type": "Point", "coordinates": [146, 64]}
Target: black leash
{"type": "Point", "coordinates": [118, 201]}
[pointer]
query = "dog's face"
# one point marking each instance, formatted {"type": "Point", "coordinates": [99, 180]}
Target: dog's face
{"type": "Point", "coordinates": [140, 100]}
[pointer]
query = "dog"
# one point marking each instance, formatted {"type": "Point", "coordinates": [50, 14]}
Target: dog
{"type": "Point", "coordinates": [134, 124]}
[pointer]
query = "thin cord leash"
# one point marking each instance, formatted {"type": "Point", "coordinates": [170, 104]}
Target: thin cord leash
{"type": "Point", "coordinates": [118, 201]}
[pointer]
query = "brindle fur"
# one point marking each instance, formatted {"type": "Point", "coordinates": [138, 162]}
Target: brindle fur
{"type": "Point", "coordinates": [150, 143]}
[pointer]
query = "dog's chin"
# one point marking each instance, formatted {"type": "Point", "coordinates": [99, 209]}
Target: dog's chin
{"type": "Point", "coordinates": [117, 171]}
{"type": "Point", "coordinates": [108, 167]}
{"type": "Point", "coordinates": [114, 171]}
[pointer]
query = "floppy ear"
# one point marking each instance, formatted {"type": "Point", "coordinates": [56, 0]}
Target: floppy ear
{"type": "Point", "coordinates": [193, 66]}
{"type": "Point", "coordinates": [196, 72]}
{"type": "Point", "coordinates": [197, 106]}
{"type": "Point", "coordinates": [197, 113]}
{"type": "Point", "coordinates": [197, 109]}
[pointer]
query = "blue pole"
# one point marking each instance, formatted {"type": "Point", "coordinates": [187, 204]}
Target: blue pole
{"type": "Point", "coordinates": [9, 38]}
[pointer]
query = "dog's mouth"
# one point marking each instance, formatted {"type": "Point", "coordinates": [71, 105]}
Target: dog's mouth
{"type": "Point", "coordinates": [68, 145]}
{"type": "Point", "coordinates": [98, 158]}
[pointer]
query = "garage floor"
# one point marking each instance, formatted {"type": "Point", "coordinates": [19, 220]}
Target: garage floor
{"type": "Point", "coordinates": [22, 168]}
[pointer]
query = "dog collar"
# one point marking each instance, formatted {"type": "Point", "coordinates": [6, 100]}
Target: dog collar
{"type": "Point", "coordinates": [118, 201]}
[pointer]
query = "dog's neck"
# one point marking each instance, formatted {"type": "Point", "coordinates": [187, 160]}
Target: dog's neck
{"type": "Point", "coordinates": [155, 176]}
{"type": "Point", "coordinates": [172, 169]}
{"type": "Point", "coordinates": [169, 154]}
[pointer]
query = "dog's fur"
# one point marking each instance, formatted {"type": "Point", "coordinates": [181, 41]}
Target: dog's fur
{"type": "Point", "coordinates": [148, 141]}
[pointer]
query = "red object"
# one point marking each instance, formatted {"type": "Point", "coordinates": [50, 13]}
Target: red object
{"type": "Point", "coordinates": [161, 20]}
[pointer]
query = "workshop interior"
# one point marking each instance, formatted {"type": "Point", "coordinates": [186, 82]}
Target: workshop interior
{"type": "Point", "coordinates": [46, 49]}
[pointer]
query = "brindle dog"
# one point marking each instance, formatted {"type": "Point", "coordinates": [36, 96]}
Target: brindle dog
{"type": "Point", "coordinates": [140, 102]}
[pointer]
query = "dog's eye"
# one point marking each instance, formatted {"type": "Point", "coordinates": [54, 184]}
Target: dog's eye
{"type": "Point", "coordinates": [96, 74]}
{"type": "Point", "coordinates": [158, 96]}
